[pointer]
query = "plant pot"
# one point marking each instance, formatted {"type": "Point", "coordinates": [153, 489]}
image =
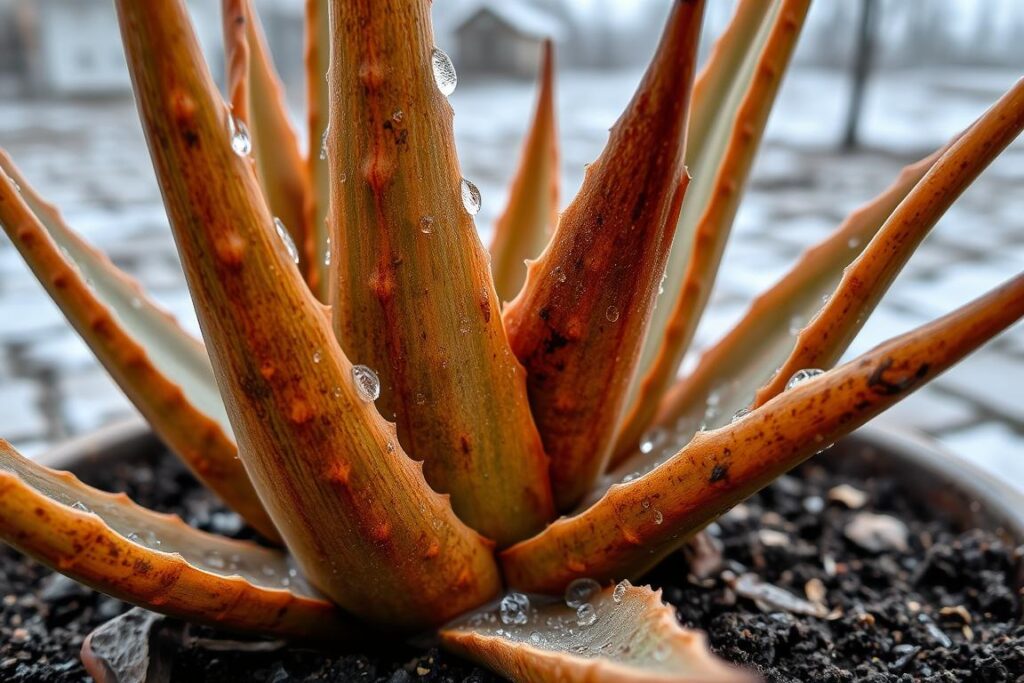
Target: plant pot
{"type": "Point", "coordinates": [942, 483]}
{"type": "Point", "coordinates": [970, 496]}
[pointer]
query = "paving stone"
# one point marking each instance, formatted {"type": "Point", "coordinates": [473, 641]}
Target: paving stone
{"type": "Point", "coordinates": [991, 445]}
{"type": "Point", "coordinates": [21, 418]}
{"type": "Point", "coordinates": [990, 380]}
{"type": "Point", "coordinates": [931, 410]}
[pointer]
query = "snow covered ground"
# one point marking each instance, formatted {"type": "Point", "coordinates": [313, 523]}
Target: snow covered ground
{"type": "Point", "coordinates": [89, 157]}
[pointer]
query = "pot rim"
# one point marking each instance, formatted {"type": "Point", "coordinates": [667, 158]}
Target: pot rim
{"type": "Point", "coordinates": [881, 444]}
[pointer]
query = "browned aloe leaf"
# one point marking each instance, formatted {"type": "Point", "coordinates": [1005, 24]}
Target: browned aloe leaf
{"type": "Point", "coordinates": [164, 371]}
{"type": "Point", "coordinates": [581, 317]}
{"type": "Point", "coordinates": [625, 634]}
{"type": "Point", "coordinates": [822, 342]}
{"type": "Point", "coordinates": [154, 560]}
{"type": "Point", "coordinates": [637, 523]}
{"type": "Point", "coordinates": [412, 295]}
{"type": "Point", "coordinates": [258, 102]}
{"type": "Point", "coordinates": [730, 372]}
{"type": "Point", "coordinates": [719, 75]}
{"type": "Point", "coordinates": [353, 509]}
{"type": "Point", "coordinates": [532, 211]}
{"type": "Point", "coordinates": [318, 51]}
{"type": "Point", "coordinates": [717, 95]}
{"type": "Point", "coordinates": [708, 214]}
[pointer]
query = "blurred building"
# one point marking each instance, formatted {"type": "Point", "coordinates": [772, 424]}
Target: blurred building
{"type": "Point", "coordinates": [505, 38]}
{"type": "Point", "coordinates": [73, 47]}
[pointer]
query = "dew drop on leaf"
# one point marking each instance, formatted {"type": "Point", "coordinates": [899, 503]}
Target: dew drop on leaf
{"type": "Point", "coordinates": [286, 238]}
{"type": "Point", "coordinates": [366, 382]}
{"type": "Point", "coordinates": [427, 225]}
{"type": "Point", "coordinates": [619, 592]}
{"type": "Point", "coordinates": [241, 143]}
{"type": "Point", "coordinates": [444, 72]}
{"type": "Point", "coordinates": [515, 609]}
{"type": "Point", "coordinates": [801, 376]}
{"type": "Point", "coordinates": [586, 615]}
{"type": "Point", "coordinates": [80, 506]}
{"type": "Point", "coordinates": [580, 591]}
{"type": "Point", "coordinates": [470, 197]}
{"type": "Point", "coordinates": [611, 313]}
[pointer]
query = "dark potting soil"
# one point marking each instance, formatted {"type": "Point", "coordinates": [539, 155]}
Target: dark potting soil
{"type": "Point", "coordinates": [899, 598]}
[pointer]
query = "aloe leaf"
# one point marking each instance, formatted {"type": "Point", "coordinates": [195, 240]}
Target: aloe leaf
{"type": "Point", "coordinates": [634, 638]}
{"type": "Point", "coordinates": [638, 523]}
{"type": "Point", "coordinates": [578, 324]}
{"type": "Point", "coordinates": [164, 371]}
{"type": "Point", "coordinates": [318, 51]}
{"type": "Point", "coordinates": [155, 560]}
{"type": "Point", "coordinates": [824, 340]}
{"type": "Point", "coordinates": [258, 101]}
{"type": "Point", "coordinates": [708, 214]}
{"type": "Point", "coordinates": [353, 509]}
{"type": "Point", "coordinates": [411, 293]}
{"type": "Point", "coordinates": [730, 372]}
{"type": "Point", "coordinates": [532, 212]}
{"type": "Point", "coordinates": [727, 72]}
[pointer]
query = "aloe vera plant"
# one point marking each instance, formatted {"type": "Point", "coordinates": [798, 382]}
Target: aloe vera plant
{"type": "Point", "coordinates": [402, 440]}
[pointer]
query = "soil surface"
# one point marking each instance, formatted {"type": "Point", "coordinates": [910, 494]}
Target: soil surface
{"type": "Point", "coordinates": [803, 582]}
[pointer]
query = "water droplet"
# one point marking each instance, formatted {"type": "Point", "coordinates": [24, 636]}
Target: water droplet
{"type": "Point", "coordinates": [655, 438]}
{"type": "Point", "coordinates": [323, 145]}
{"type": "Point", "coordinates": [397, 115]}
{"type": "Point", "coordinates": [536, 638]}
{"type": "Point", "coordinates": [801, 376]}
{"type": "Point", "coordinates": [586, 615]}
{"type": "Point", "coordinates": [515, 609]}
{"type": "Point", "coordinates": [611, 313]}
{"type": "Point", "coordinates": [444, 72]}
{"type": "Point", "coordinates": [559, 274]}
{"type": "Point", "coordinates": [241, 143]}
{"type": "Point", "coordinates": [580, 591]}
{"type": "Point", "coordinates": [427, 225]}
{"type": "Point", "coordinates": [739, 415]}
{"type": "Point", "coordinates": [825, 298]}
{"type": "Point", "coordinates": [286, 238]}
{"type": "Point", "coordinates": [336, 392]}
{"type": "Point", "coordinates": [470, 197]}
{"type": "Point", "coordinates": [421, 398]}
{"type": "Point", "coordinates": [620, 591]}
{"type": "Point", "coordinates": [853, 242]}
{"type": "Point", "coordinates": [317, 356]}
{"type": "Point", "coordinates": [327, 252]}
{"type": "Point", "coordinates": [390, 446]}
{"type": "Point", "coordinates": [658, 517]}
{"type": "Point", "coordinates": [367, 383]}
{"type": "Point", "coordinates": [80, 506]}
{"type": "Point", "coordinates": [795, 325]}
